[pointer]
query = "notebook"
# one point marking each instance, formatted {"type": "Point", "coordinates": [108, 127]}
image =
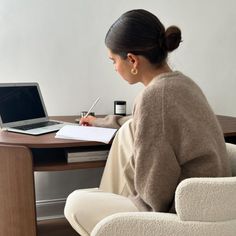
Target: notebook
{"type": "Point", "coordinates": [86, 133]}
{"type": "Point", "coordinates": [22, 109]}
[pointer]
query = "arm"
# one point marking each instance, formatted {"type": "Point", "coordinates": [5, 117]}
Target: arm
{"type": "Point", "coordinates": [110, 121]}
{"type": "Point", "coordinates": [157, 171]}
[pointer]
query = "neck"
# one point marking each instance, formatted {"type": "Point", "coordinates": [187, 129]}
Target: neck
{"type": "Point", "coordinates": [150, 74]}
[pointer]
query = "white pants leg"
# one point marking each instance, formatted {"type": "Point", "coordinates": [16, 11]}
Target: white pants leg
{"type": "Point", "coordinates": [118, 175]}
{"type": "Point", "coordinates": [85, 208]}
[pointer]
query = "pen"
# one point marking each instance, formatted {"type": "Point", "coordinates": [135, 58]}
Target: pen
{"type": "Point", "coordinates": [95, 102]}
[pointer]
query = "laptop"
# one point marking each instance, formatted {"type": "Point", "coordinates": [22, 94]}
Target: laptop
{"type": "Point", "coordinates": [22, 110]}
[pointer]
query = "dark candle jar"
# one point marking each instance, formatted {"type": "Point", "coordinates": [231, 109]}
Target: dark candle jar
{"type": "Point", "coordinates": [84, 113]}
{"type": "Point", "coordinates": [120, 108]}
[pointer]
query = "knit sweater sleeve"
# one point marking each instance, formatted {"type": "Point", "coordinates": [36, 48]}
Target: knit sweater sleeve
{"type": "Point", "coordinates": [111, 121]}
{"type": "Point", "coordinates": [157, 170]}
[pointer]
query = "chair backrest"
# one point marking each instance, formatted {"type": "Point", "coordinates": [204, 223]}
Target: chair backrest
{"type": "Point", "coordinates": [231, 150]}
{"type": "Point", "coordinates": [208, 199]}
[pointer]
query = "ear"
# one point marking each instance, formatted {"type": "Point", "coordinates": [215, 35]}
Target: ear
{"type": "Point", "coordinates": [133, 59]}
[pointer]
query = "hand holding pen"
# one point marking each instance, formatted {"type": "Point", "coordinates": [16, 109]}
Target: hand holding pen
{"type": "Point", "coordinates": [87, 119]}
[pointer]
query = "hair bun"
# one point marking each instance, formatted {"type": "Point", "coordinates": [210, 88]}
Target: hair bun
{"type": "Point", "coordinates": [172, 38]}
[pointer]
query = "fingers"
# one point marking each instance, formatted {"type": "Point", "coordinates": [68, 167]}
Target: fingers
{"type": "Point", "coordinates": [83, 121]}
{"type": "Point", "coordinates": [87, 121]}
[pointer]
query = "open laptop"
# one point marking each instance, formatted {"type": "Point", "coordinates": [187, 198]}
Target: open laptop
{"type": "Point", "coordinates": [22, 109]}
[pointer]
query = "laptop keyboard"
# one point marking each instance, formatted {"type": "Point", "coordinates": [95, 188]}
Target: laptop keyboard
{"type": "Point", "coordinates": [37, 125]}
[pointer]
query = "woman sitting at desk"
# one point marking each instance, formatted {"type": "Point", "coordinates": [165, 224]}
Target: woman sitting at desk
{"type": "Point", "coordinates": [173, 133]}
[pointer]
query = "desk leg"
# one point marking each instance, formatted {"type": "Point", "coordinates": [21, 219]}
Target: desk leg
{"type": "Point", "coordinates": [17, 194]}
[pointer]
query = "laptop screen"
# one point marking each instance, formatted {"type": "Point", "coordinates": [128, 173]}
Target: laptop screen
{"type": "Point", "coordinates": [19, 103]}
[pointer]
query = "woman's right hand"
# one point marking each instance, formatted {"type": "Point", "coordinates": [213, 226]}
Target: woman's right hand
{"type": "Point", "coordinates": [87, 121]}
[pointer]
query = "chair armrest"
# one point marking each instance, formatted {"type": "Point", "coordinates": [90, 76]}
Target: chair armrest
{"type": "Point", "coordinates": [206, 199]}
{"type": "Point", "coordinates": [159, 224]}
{"type": "Point", "coordinates": [135, 223]}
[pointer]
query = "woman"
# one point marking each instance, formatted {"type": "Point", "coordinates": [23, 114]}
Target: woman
{"type": "Point", "coordinates": [173, 133]}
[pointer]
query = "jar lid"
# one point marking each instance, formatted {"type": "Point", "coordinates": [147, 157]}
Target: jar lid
{"type": "Point", "coordinates": [120, 102]}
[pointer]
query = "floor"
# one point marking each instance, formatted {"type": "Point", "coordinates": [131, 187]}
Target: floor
{"type": "Point", "coordinates": [55, 227]}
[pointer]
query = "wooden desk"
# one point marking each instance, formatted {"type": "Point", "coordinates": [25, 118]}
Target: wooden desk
{"type": "Point", "coordinates": [20, 156]}
{"type": "Point", "coordinates": [42, 153]}
{"type": "Point", "coordinates": [228, 125]}
{"type": "Point", "coordinates": [48, 152]}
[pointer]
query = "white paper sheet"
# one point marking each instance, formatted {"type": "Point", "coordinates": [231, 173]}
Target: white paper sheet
{"type": "Point", "coordinates": [87, 133]}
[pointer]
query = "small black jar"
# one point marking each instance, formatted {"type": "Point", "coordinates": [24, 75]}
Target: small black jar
{"type": "Point", "coordinates": [120, 108]}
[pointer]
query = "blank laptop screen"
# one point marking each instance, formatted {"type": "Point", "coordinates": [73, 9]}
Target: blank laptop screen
{"type": "Point", "coordinates": [20, 103]}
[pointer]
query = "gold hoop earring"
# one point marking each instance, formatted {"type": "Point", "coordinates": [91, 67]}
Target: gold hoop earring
{"type": "Point", "coordinates": [134, 71]}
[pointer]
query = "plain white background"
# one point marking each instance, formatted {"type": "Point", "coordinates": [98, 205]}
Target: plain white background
{"type": "Point", "coordinates": [60, 45]}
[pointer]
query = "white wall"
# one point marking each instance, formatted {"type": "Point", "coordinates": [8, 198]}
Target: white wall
{"type": "Point", "coordinates": [60, 44]}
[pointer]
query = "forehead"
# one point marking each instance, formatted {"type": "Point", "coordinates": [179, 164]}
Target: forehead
{"type": "Point", "coordinates": [112, 55]}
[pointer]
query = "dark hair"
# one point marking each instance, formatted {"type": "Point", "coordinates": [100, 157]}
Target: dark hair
{"type": "Point", "coordinates": [141, 33]}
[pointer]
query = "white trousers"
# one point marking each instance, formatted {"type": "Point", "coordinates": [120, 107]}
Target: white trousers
{"type": "Point", "coordinates": [86, 207]}
{"type": "Point", "coordinates": [118, 175]}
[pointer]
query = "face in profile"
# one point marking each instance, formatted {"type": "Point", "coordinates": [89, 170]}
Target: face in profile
{"type": "Point", "coordinates": [123, 67]}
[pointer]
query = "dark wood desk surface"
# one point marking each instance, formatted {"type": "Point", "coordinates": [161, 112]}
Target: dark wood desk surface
{"type": "Point", "coordinates": [228, 125]}
{"type": "Point", "coordinates": [45, 140]}
{"type": "Point", "coordinates": [48, 152]}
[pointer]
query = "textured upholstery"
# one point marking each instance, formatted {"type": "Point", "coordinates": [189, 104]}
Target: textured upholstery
{"type": "Point", "coordinates": [205, 207]}
{"type": "Point", "coordinates": [206, 199]}
{"type": "Point", "coordinates": [159, 224]}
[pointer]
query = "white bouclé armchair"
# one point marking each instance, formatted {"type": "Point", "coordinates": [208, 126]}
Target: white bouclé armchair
{"type": "Point", "coordinates": [204, 206]}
